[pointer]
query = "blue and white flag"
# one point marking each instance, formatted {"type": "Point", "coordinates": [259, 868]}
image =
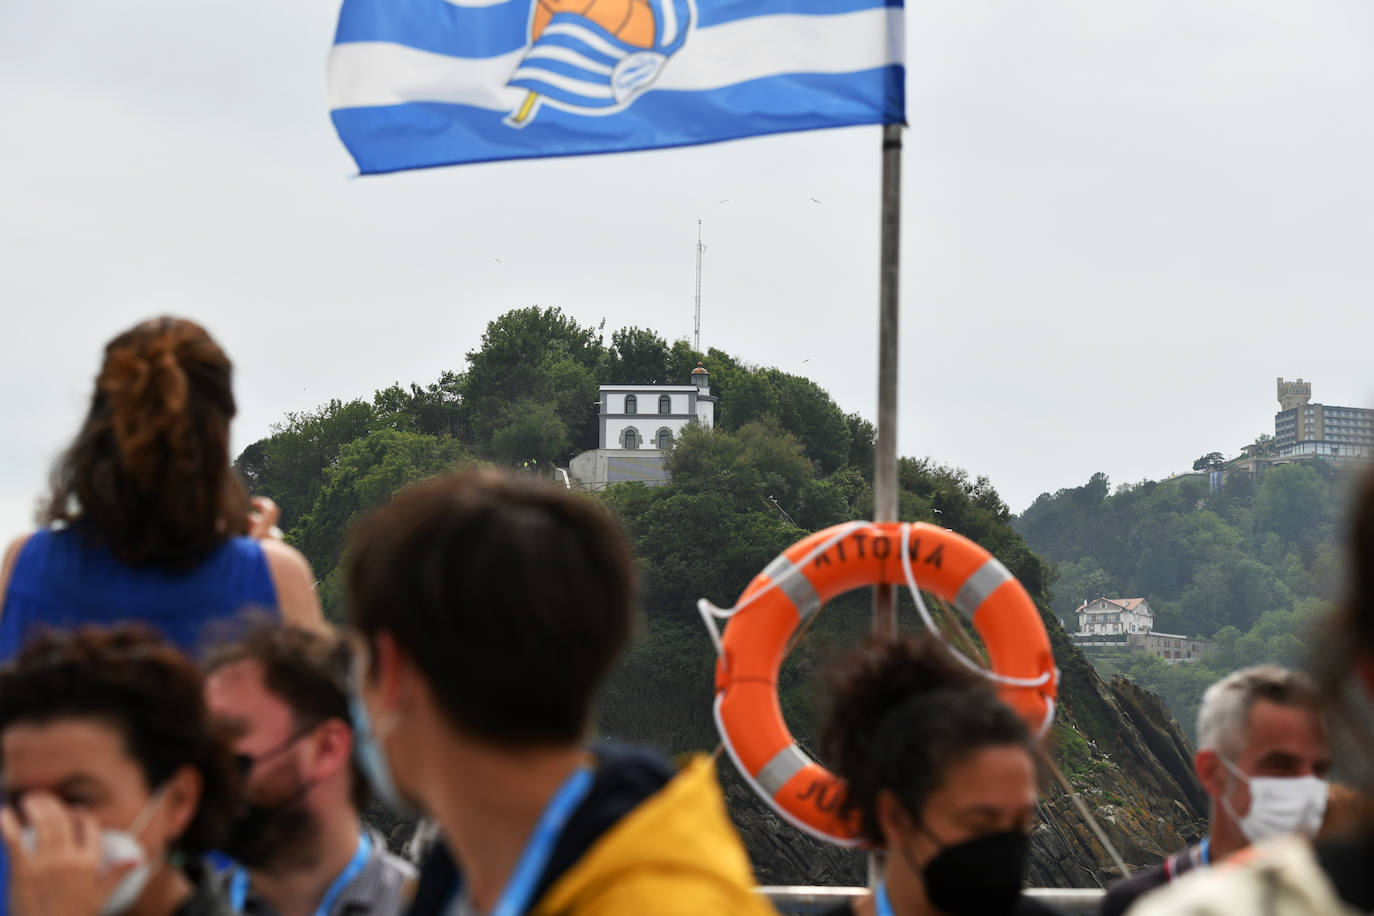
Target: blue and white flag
{"type": "Point", "coordinates": [415, 83]}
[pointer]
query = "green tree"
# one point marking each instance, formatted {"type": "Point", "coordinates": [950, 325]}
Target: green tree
{"type": "Point", "coordinates": [536, 354]}
{"type": "Point", "coordinates": [369, 471]}
{"type": "Point", "coordinates": [806, 411]}
{"type": "Point", "coordinates": [1078, 581]}
{"type": "Point", "coordinates": [1204, 559]}
{"type": "Point", "coordinates": [637, 357]}
{"type": "Point", "coordinates": [435, 409]}
{"type": "Point", "coordinates": [289, 465]}
{"type": "Point", "coordinates": [1327, 573]}
{"type": "Point", "coordinates": [745, 397]}
{"type": "Point", "coordinates": [1294, 502]}
{"type": "Point", "coordinates": [822, 503]}
{"type": "Point", "coordinates": [863, 444]}
{"type": "Point", "coordinates": [531, 430]}
{"type": "Point", "coordinates": [1207, 599]}
{"type": "Point", "coordinates": [1209, 462]}
{"type": "Point", "coordinates": [857, 492]}
{"type": "Point", "coordinates": [1067, 524]}
{"type": "Point", "coordinates": [751, 464]}
{"type": "Point", "coordinates": [680, 362]}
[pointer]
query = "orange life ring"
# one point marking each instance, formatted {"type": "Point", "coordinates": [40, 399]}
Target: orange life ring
{"type": "Point", "coordinates": [792, 589]}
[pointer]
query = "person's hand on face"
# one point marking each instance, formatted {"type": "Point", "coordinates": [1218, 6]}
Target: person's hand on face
{"type": "Point", "coordinates": [263, 518]}
{"type": "Point", "coordinates": [58, 870]}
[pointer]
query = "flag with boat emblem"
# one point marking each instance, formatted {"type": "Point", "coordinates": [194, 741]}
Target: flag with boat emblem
{"type": "Point", "coordinates": [416, 83]}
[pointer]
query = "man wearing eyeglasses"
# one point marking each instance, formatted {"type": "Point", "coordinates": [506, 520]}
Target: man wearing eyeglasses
{"type": "Point", "coordinates": [299, 844]}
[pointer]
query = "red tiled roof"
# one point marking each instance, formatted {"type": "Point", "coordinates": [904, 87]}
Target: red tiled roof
{"type": "Point", "coordinates": [1126, 604]}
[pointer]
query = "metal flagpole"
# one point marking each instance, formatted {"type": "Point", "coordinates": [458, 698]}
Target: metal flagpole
{"type": "Point", "coordinates": [885, 471]}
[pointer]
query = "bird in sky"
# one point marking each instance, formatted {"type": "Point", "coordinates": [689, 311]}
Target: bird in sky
{"type": "Point", "coordinates": [814, 200]}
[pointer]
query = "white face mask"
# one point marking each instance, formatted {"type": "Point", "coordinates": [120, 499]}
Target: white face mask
{"type": "Point", "coordinates": [118, 847]}
{"type": "Point", "coordinates": [1279, 805]}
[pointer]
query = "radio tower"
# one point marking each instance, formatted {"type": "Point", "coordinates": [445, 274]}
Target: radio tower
{"type": "Point", "coordinates": [696, 335]}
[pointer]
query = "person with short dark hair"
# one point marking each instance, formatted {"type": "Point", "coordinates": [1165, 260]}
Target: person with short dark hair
{"type": "Point", "coordinates": [487, 611]}
{"type": "Point", "coordinates": [299, 843]}
{"type": "Point", "coordinates": [116, 779]}
{"type": "Point", "coordinates": [146, 519]}
{"type": "Point", "coordinates": [1263, 755]}
{"type": "Point", "coordinates": [940, 775]}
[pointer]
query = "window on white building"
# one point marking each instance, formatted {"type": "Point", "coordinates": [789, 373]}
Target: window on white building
{"type": "Point", "coordinates": [631, 404]}
{"type": "Point", "coordinates": [664, 439]}
{"type": "Point", "coordinates": [631, 438]}
{"type": "Point", "coordinates": [665, 404]}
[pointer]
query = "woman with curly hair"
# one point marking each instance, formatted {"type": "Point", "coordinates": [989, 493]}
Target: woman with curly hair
{"type": "Point", "coordinates": [115, 780]}
{"type": "Point", "coordinates": [147, 519]}
{"type": "Point", "coordinates": [941, 776]}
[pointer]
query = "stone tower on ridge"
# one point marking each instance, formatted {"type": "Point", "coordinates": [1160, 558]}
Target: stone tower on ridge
{"type": "Point", "coordinates": [1294, 394]}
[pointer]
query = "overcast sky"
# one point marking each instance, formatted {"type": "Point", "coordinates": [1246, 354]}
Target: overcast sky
{"type": "Point", "coordinates": [1121, 222]}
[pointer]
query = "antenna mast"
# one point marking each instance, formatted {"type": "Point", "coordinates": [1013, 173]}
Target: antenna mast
{"type": "Point", "coordinates": [696, 335]}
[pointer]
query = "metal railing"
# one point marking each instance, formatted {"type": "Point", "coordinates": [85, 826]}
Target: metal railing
{"type": "Point", "coordinates": [1088, 639]}
{"type": "Point", "coordinates": [810, 901]}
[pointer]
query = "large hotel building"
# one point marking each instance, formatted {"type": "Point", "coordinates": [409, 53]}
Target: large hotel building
{"type": "Point", "coordinates": [1302, 428]}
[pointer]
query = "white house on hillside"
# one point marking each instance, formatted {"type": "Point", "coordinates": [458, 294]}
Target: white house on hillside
{"type": "Point", "coordinates": [1112, 616]}
{"type": "Point", "coordinates": [639, 423]}
{"type": "Point", "coordinates": [1111, 624]}
{"type": "Point", "coordinates": [652, 416]}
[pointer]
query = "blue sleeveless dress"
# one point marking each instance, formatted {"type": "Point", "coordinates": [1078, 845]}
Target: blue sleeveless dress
{"type": "Point", "coordinates": [63, 580]}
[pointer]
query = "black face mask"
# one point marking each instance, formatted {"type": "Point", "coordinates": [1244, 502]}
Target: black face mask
{"type": "Point", "coordinates": [979, 877]}
{"type": "Point", "coordinates": [280, 835]}
{"type": "Point", "coordinates": [274, 836]}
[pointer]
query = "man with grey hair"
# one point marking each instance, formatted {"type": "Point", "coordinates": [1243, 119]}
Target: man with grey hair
{"type": "Point", "coordinates": [1263, 754]}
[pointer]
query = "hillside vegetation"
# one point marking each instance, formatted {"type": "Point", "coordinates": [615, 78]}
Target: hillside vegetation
{"type": "Point", "coordinates": [1253, 566]}
{"type": "Point", "coordinates": [782, 461]}
{"type": "Point", "coordinates": [527, 397]}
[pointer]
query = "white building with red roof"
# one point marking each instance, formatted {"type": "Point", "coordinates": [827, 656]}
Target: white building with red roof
{"type": "Point", "coordinates": [1109, 625]}
{"type": "Point", "coordinates": [1115, 617]}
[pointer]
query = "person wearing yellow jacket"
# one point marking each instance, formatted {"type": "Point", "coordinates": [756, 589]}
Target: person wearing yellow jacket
{"type": "Point", "coordinates": [486, 612]}
{"type": "Point", "coordinates": [672, 850]}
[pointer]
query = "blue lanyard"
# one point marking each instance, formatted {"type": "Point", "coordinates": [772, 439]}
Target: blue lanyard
{"type": "Point", "coordinates": [238, 884]}
{"type": "Point", "coordinates": [524, 880]}
{"type": "Point", "coordinates": [881, 903]}
{"type": "Point", "coordinates": [1204, 851]}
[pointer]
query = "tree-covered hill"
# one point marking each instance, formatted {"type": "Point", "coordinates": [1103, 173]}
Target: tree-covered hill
{"type": "Point", "coordinates": [1253, 566]}
{"type": "Point", "coordinates": [526, 397]}
{"type": "Point", "coordinates": [782, 461]}
{"type": "Point", "coordinates": [1204, 560]}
